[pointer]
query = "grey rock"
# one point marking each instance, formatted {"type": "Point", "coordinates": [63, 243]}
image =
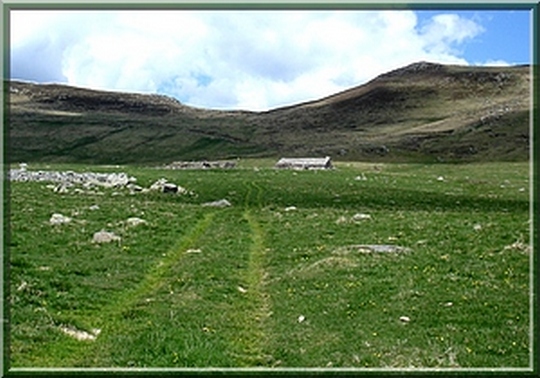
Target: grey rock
{"type": "Point", "coordinates": [219, 203]}
{"type": "Point", "coordinates": [57, 219]}
{"type": "Point", "coordinates": [105, 237]}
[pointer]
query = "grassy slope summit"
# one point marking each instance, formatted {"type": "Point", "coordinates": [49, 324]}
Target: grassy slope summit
{"type": "Point", "coordinates": [424, 112]}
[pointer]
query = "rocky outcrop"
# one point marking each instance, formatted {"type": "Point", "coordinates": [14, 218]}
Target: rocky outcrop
{"type": "Point", "coordinates": [67, 178]}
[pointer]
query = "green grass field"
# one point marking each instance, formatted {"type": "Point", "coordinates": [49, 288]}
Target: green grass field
{"type": "Point", "coordinates": [261, 284]}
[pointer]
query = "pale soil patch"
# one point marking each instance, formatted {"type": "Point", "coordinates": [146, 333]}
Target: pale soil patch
{"type": "Point", "coordinates": [332, 262]}
{"type": "Point", "coordinates": [45, 111]}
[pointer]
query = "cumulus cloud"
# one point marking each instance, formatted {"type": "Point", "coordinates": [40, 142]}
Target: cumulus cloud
{"type": "Point", "coordinates": [495, 63]}
{"type": "Point", "coordinates": [229, 59]}
{"type": "Point", "coordinates": [447, 31]}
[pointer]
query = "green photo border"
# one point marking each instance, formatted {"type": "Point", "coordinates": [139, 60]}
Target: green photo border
{"type": "Point", "coordinates": [533, 6]}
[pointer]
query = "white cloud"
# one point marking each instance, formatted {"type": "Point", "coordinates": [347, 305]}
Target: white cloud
{"type": "Point", "coordinates": [445, 31]}
{"type": "Point", "coordinates": [229, 59]}
{"type": "Point", "coordinates": [495, 63]}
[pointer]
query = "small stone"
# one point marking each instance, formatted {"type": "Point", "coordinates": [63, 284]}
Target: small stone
{"type": "Point", "coordinates": [477, 227]}
{"type": "Point", "coordinates": [170, 188]}
{"type": "Point", "coordinates": [132, 222]}
{"type": "Point", "coordinates": [62, 188]}
{"type": "Point", "coordinates": [301, 318]}
{"type": "Point", "coordinates": [361, 178]}
{"type": "Point", "coordinates": [81, 335]}
{"type": "Point", "coordinates": [105, 237]}
{"type": "Point", "coordinates": [22, 286]}
{"type": "Point", "coordinates": [242, 290]}
{"type": "Point", "coordinates": [380, 248]}
{"type": "Point", "coordinates": [219, 203]}
{"type": "Point", "coordinates": [158, 185]}
{"type": "Point", "coordinates": [59, 219]}
{"type": "Point", "coordinates": [291, 208]}
{"type": "Point", "coordinates": [440, 178]}
{"type": "Point", "coordinates": [404, 319]}
{"type": "Point", "coordinates": [360, 216]}
{"type": "Point", "coordinates": [134, 188]}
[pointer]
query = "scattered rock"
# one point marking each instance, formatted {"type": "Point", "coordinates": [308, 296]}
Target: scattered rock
{"type": "Point", "coordinates": [69, 177]}
{"type": "Point", "coordinates": [132, 222]}
{"type": "Point", "coordinates": [219, 203]}
{"type": "Point", "coordinates": [105, 237]}
{"type": "Point", "coordinates": [59, 219]}
{"type": "Point", "coordinates": [81, 335]}
{"type": "Point", "coordinates": [360, 216]}
{"type": "Point", "coordinates": [291, 208]}
{"type": "Point", "coordinates": [371, 248]}
{"type": "Point", "coordinates": [134, 188]}
{"type": "Point", "coordinates": [170, 188]}
{"type": "Point", "coordinates": [201, 165]}
{"type": "Point", "coordinates": [518, 246]}
{"type": "Point", "coordinates": [362, 177]}
{"type": "Point", "coordinates": [162, 185]}
{"type": "Point", "coordinates": [62, 187]}
{"type": "Point", "coordinates": [22, 286]}
{"type": "Point", "coordinates": [404, 319]}
{"type": "Point", "coordinates": [301, 318]}
{"type": "Point", "coordinates": [440, 178]}
{"type": "Point", "coordinates": [242, 290]}
{"type": "Point", "coordinates": [158, 185]}
{"type": "Point", "coordinates": [477, 227]}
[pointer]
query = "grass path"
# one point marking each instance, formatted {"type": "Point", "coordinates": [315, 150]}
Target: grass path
{"type": "Point", "coordinates": [242, 332]}
{"type": "Point", "coordinates": [252, 312]}
{"type": "Point", "coordinates": [157, 277]}
{"type": "Point", "coordinates": [110, 319]}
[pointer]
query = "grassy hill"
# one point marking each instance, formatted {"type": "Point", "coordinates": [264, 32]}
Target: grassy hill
{"type": "Point", "coordinates": [422, 112]}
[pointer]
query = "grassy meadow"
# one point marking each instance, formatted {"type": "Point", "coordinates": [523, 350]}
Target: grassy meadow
{"type": "Point", "coordinates": [275, 280]}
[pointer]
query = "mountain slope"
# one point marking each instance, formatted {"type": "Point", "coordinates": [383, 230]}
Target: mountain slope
{"type": "Point", "coordinates": [422, 112]}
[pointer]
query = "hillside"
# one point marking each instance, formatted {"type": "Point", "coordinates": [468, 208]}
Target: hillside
{"type": "Point", "coordinates": [422, 112]}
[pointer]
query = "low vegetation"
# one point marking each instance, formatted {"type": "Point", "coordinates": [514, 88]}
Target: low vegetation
{"type": "Point", "coordinates": [278, 279]}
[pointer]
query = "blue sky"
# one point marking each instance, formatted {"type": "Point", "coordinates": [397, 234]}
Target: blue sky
{"type": "Point", "coordinates": [505, 36]}
{"type": "Point", "coordinates": [254, 60]}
